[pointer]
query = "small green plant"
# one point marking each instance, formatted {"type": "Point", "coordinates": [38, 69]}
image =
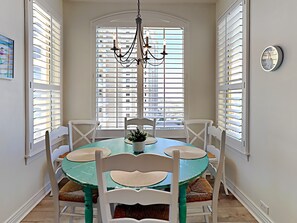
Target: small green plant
{"type": "Point", "coordinates": [137, 135]}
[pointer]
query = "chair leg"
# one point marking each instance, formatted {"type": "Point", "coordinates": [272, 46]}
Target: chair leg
{"type": "Point", "coordinates": [71, 217]}
{"type": "Point", "coordinates": [99, 217]}
{"type": "Point", "coordinates": [112, 208]}
{"type": "Point", "coordinates": [206, 216]}
{"type": "Point", "coordinates": [215, 216]}
{"type": "Point", "coordinates": [224, 181]}
{"type": "Point", "coordinates": [57, 212]}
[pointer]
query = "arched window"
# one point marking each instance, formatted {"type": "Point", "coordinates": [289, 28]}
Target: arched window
{"type": "Point", "coordinates": [161, 88]}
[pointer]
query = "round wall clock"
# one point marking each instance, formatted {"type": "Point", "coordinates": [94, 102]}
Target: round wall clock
{"type": "Point", "coordinates": [271, 58]}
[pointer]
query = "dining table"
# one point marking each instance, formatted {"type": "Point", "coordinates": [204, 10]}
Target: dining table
{"type": "Point", "coordinates": [84, 173]}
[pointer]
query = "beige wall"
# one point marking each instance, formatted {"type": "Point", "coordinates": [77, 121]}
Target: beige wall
{"type": "Point", "coordinates": [270, 174]}
{"type": "Point", "coordinates": [77, 55]}
{"type": "Point", "coordinates": [19, 182]}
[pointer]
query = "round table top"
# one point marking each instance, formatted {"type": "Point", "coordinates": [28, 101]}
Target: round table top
{"type": "Point", "coordinates": [84, 173]}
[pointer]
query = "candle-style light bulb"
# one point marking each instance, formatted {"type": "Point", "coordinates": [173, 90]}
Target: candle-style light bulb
{"type": "Point", "coordinates": [147, 37]}
{"type": "Point", "coordinates": [114, 40]}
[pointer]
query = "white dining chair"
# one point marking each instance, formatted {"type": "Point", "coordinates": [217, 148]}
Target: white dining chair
{"type": "Point", "coordinates": [71, 194]}
{"type": "Point", "coordinates": [150, 205]}
{"type": "Point", "coordinates": [64, 147]}
{"type": "Point", "coordinates": [196, 132]}
{"type": "Point", "coordinates": [200, 193]}
{"type": "Point", "coordinates": [140, 123]}
{"type": "Point", "coordinates": [82, 132]}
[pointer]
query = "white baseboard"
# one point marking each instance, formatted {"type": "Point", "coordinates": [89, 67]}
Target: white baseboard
{"type": "Point", "coordinates": [29, 205]}
{"type": "Point", "coordinates": [248, 204]}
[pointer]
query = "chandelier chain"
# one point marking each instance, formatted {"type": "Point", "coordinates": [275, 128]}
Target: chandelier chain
{"type": "Point", "coordinates": [138, 5]}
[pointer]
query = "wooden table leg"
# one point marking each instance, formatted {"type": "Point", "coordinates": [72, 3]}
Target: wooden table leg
{"type": "Point", "coordinates": [88, 205]}
{"type": "Point", "coordinates": [183, 203]}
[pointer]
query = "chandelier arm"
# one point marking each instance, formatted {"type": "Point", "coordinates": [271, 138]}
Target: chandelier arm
{"type": "Point", "coordinates": [156, 58]}
{"type": "Point", "coordinates": [155, 65]}
{"type": "Point", "coordinates": [130, 50]}
{"type": "Point", "coordinates": [131, 62]}
{"type": "Point", "coordinates": [125, 63]}
{"type": "Point", "coordinates": [127, 59]}
{"type": "Point", "coordinates": [118, 59]}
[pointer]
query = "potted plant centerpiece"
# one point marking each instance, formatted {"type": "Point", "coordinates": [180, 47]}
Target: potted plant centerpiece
{"type": "Point", "coordinates": [137, 138]}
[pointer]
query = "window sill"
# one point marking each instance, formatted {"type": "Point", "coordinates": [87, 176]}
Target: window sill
{"type": "Point", "coordinates": [243, 154]}
{"type": "Point", "coordinates": [34, 155]}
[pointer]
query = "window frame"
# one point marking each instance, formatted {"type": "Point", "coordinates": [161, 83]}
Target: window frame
{"type": "Point", "coordinates": [237, 145]}
{"type": "Point", "coordinates": [151, 19]}
{"type": "Point", "coordinates": [34, 150]}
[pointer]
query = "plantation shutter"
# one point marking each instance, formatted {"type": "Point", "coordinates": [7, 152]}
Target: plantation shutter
{"type": "Point", "coordinates": [117, 86]}
{"type": "Point", "coordinates": [46, 74]}
{"type": "Point", "coordinates": [164, 84]}
{"type": "Point", "coordinates": [231, 76]}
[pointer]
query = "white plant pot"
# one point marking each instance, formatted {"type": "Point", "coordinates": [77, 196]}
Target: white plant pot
{"type": "Point", "coordinates": [138, 147]}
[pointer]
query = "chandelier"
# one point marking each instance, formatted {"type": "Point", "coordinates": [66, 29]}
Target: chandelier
{"type": "Point", "coordinates": [143, 48]}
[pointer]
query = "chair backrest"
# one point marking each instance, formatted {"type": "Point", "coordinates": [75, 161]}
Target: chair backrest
{"type": "Point", "coordinates": [54, 149]}
{"type": "Point", "coordinates": [195, 129]}
{"type": "Point", "coordinates": [140, 122]}
{"type": "Point", "coordinates": [217, 171]}
{"type": "Point", "coordinates": [143, 163]}
{"type": "Point", "coordinates": [82, 132]}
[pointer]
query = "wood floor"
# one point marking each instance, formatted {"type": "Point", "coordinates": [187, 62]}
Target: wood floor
{"type": "Point", "coordinates": [230, 211]}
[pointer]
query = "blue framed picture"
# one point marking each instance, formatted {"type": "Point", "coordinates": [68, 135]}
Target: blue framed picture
{"type": "Point", "coordinates": [6, 57]}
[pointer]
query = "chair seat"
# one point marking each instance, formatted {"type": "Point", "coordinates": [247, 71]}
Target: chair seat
{"type": "Point", "coordinates": [199, 190]}
{"type": "Point", "coordinates": [72, 191]}
{"type": "Point", "coordinates": [211, 156]}
{"type": "Point", "coordinates": [159, 211]}
{"type": "Point", "coordinates": [64, 155]}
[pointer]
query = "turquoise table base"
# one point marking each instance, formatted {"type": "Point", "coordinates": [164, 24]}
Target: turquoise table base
{"type": "Point", "coordinates": [84, 173]}
{"type": "Point", "coordinates": [183, 203]}
{"type": "Point", "coordinates": [88, 205]}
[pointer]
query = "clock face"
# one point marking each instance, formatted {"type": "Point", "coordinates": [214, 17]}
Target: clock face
{"type": "Point", "coordinates": [271, 58]}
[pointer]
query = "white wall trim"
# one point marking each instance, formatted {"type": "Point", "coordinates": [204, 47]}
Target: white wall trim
{"type": "Point", "coordinates": [29, 205]}
{"type": "Point", "coordinates": [248, 203]}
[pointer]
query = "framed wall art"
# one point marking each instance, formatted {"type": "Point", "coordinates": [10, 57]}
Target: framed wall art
{"type": "Point", "coordinates": [6, 58]}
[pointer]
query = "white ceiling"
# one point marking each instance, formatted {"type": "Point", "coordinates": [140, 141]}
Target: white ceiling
{"type": "Point", "coordinates": [146, 1]}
